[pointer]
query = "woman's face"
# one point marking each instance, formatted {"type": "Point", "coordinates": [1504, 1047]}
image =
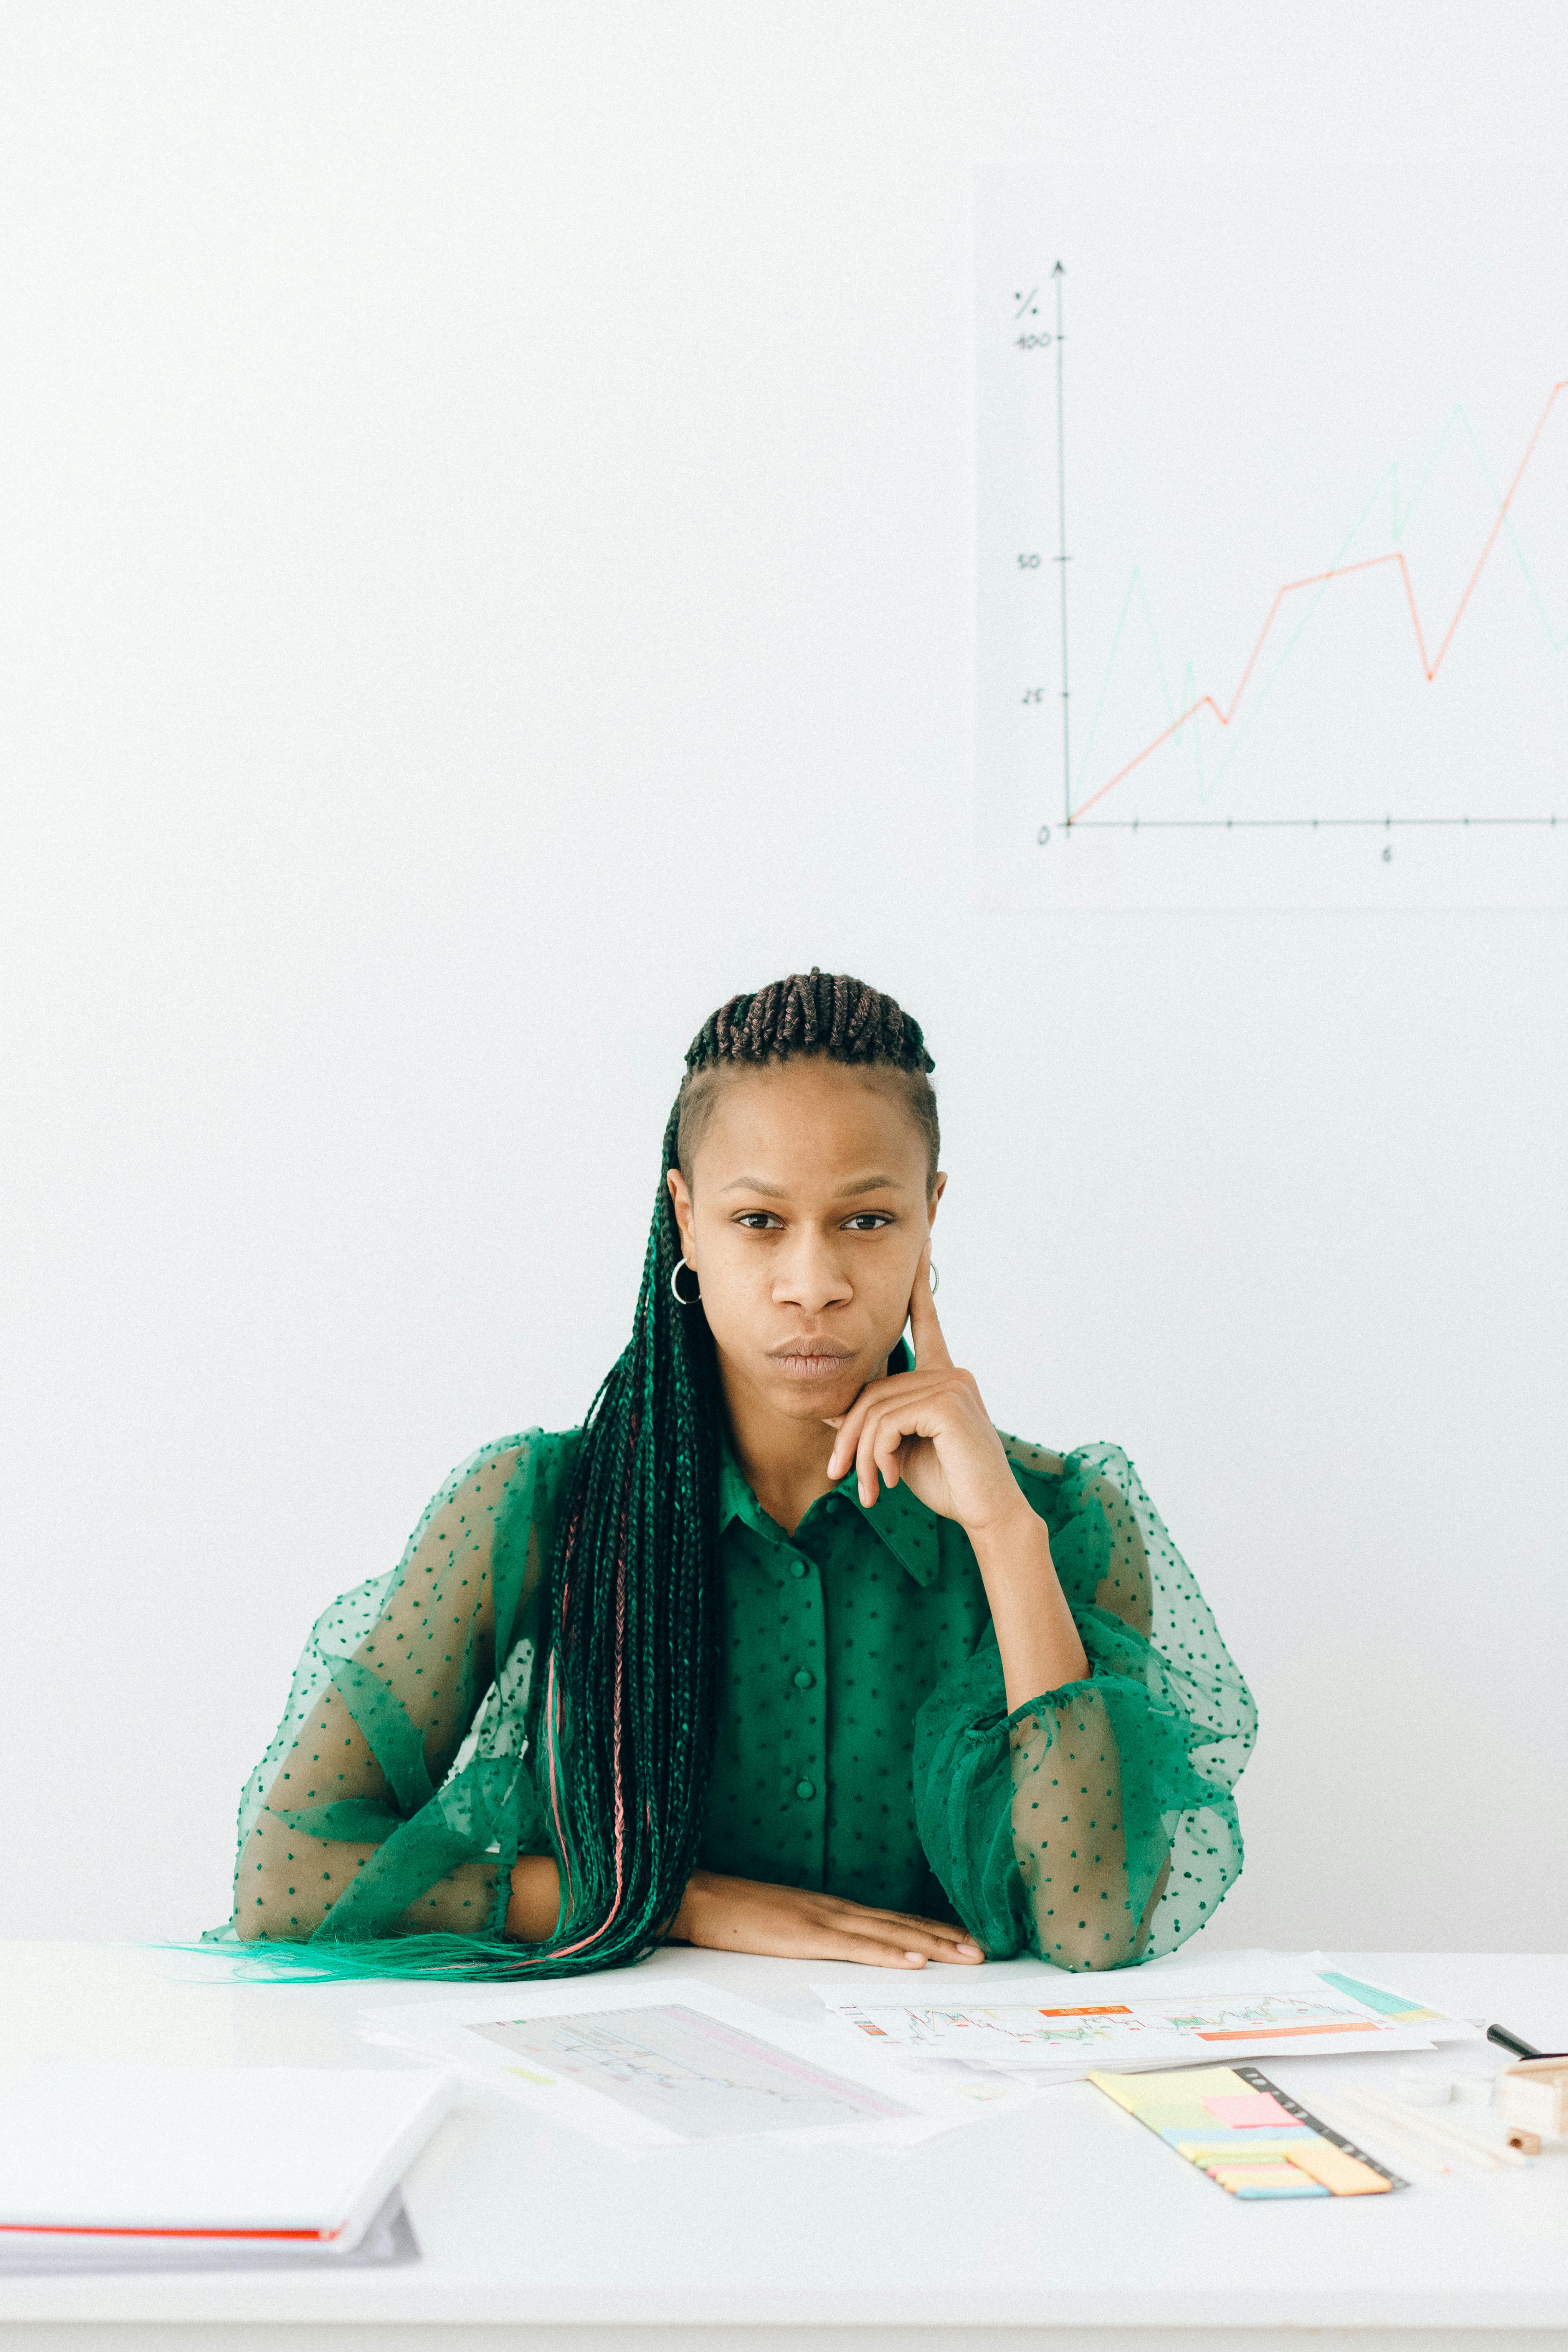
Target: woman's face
{"type": "Point", "coordinates": [803, 1214]}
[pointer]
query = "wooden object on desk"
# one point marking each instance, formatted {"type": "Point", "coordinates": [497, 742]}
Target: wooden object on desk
{"type": "Point", "coordinates": [1533, 2098]}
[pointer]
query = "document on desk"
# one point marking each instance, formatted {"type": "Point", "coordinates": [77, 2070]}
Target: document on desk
{"type": "Point", "coordinates": [1138, 2018]}
{"type": "Point", "coordinates": [119, 2159]}
{"type": "Point", "coordinates": [389, 2241]}
{"type": "Point", "coordinates": [650, 2063]}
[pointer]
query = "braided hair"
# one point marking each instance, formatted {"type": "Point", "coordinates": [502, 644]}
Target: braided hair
{"type": "Point", "coordinates": [622, 1713]}
{"type": "Point", "coordinates": [628, 1700]}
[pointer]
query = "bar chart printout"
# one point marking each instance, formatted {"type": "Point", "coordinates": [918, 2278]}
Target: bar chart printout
{"type": "Point", "coordinates": [1137, 2030]}
{"type": "Point", "coordinates": [1322, 686]}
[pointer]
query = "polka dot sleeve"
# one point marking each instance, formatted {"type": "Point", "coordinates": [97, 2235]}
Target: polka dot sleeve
{"type": "Point", "coordinates": [1095, 1825]}
{"type": "Point", "coordinates": [393, 1799]}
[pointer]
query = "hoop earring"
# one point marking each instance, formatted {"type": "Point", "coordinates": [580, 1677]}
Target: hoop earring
{"type": "Point", "coordinates": [675, 1274]}
{"type": "Point", "coordinates": [932, 1276]}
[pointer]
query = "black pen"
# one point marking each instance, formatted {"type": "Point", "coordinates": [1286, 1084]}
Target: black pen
{"type": "Point", "coordinates": [1507, 2040]}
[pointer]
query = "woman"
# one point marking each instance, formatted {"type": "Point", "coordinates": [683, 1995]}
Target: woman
{"type": "Point", "coordinates": [786, 1650]}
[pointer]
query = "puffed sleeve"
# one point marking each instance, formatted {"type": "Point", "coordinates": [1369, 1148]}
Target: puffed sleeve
{"type": "Point", "coordinates": [1095, 1825]}
{"type": "Point", "coordinates": [393, 1798]}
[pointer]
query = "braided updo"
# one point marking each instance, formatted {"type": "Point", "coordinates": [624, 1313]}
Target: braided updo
{"type": "Point", "coordinates": [816, 1013]}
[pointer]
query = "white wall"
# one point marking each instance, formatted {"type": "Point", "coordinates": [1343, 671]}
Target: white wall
{"type": "Point", "coordinates": [486, 561]}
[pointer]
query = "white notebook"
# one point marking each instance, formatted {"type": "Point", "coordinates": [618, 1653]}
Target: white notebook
{"type": "Point", "coordinates": [248, 2155]}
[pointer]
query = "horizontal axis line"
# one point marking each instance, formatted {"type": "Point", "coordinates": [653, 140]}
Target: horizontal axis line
{"type": "Point", "coordinates": [1291, 823]}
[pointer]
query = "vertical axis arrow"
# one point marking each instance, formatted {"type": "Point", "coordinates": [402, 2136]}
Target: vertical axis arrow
{"type": "Point", "coordinates": [1058, 274]}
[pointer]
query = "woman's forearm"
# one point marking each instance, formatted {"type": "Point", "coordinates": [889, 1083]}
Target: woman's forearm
{"type": "Point", "coordinates": [535, 1902]}
{"type": "Point", "coordinates": [1035, 1630]}
{"type": "Point", "coordinates": [288, 1882]}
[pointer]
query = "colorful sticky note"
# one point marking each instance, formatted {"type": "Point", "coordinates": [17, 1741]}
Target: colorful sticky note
{"type": "Point", "coordinates": [1233, 2126]}
{"type": "Point", "coordinates": [1191, 2121]}
{"type": "Point", "coordinates": [1342, 2173]}
{"type": "Point", "coordinates": [1248, 2109]}
{"type": "Point", "coordinates": [1184, 2086]}
{"type": "Point", "coordinates": [1266, 2180]}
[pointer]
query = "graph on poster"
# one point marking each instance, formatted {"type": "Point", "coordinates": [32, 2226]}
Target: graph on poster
{"type": "Point", "coordinates": [1218, 669]}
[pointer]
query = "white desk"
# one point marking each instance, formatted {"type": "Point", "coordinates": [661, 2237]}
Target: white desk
{"type": "Point", "coordinates": [1066, 2226]}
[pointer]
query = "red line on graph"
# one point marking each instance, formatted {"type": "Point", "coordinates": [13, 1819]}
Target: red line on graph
{"type": "Point", "coordinates": [1340, 571]}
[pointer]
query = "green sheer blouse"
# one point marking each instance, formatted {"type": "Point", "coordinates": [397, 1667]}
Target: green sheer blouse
{"type": "Point", "coordinates": [864, 1748]}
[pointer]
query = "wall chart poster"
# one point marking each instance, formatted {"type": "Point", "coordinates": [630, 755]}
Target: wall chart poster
{"type": "Point", "coordinates": [1273, 529]}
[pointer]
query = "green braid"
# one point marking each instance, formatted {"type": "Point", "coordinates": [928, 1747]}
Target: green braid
{"type": "Point", "coordinates": [634, 1567]}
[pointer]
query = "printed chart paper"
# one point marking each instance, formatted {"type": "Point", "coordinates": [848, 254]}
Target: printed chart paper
{"type": "Point", "coordinates": [1148, 2026]}
{"type": "Point", "coordinates": [1401, 2011]}
{"type": "Point", "coordinates": [673, 2061]}
{"type": "Point", "coordinates": [1137, 2034]}
{"type": "Point", "coordinates": [1272, 535]}
{"type": "Point", "coordinates": [663, 2060]}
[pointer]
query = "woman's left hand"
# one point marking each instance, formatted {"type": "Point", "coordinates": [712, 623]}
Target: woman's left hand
{"type": "Point", "coordinates": [931, 1429]}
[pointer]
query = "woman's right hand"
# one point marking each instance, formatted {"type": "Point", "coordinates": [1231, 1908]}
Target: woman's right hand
{"type": "Point", "coordinates": [745, 1914]}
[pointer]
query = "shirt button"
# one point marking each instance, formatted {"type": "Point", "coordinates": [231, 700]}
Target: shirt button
{"type": "Point", "coordinates": [804, 1681]}
{"type": "Point", "coordinates": [798, 1568]}
{"type": "Point", "coordinates": [805, 1791]}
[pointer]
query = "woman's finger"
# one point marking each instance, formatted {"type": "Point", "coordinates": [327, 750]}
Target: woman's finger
{"type": "Point", "coordinates": [945, 1927]}
{"type": "Point", "coordinates": [852, 1427]}
{"type": "Point", "coordinates": [847, 1441]}
{"type": "Point", "coordinates": [931, 1948]}
{"type": "Point", "coordinates": [898, 1411]}
{"type": "Point", "coordinates": [881, 1431]}
{"type": "Point", "coordinates": [941, 1931]}
{"type": "Point", "coordinates": [908, 1945]}
{"type": "Point", "coordinates": [931, 1348]}
{"type": "Point", "coordinates": [887, 1440]}
{"type": "Point", "coordinates": [862, 1951]}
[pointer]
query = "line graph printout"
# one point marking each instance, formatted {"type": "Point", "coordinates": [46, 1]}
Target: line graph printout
{"type": "Point", "coordinates": [1273, 536]}
{"type": "Point", "coordinates": [698, 2077]}
{"type": "Point", "coordinates": [668, 2059]}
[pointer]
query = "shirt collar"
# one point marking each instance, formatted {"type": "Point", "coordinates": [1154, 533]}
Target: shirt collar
{"type": "Point", "coordinates": [903, 1522]}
